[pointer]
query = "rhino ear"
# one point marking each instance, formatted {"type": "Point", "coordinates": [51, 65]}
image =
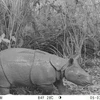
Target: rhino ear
{"type": "Point", "coordinates": [58, 62]}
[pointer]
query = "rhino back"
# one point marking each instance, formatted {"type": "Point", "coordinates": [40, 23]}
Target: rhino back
{"type": "Point", "coordinates": [16, 50]}
{"type": "Point", "coordinates": [42, 71]}
{"type": "Point", "coordinates": [17, 66]}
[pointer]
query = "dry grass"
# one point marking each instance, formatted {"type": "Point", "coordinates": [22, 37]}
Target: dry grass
{"type": "Point", "coordinates": [36, 24]}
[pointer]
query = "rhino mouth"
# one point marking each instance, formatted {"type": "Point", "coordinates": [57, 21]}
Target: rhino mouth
{"type": "Point", "coordinates": [83, 83]}
{"type": "Point", "coordinates": [80, 83]}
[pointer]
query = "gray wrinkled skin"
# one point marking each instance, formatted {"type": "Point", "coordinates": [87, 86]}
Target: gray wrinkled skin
{"type": "Point", "coordinates": [26, 67]}
{"type": "Point", "coordinates": [77, 75]}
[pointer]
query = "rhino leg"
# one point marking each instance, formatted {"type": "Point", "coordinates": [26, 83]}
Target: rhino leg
{"type": "Point", "coordinates": [61, 88]}
{"type": "Point", "coordinates": [47, 89]}
{"type": "Point", "coordinates": [4, 91]}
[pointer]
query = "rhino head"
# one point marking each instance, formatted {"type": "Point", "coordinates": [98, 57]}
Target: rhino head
{"type": "Point", "coordinates": [72, 71]}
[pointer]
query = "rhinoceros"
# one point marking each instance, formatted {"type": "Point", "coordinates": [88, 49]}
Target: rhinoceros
{"type": "Point", "coordinates": [27, 67]}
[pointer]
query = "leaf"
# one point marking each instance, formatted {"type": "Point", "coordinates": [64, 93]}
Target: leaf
{"type": "Point", "coordinates": [3, 36]}
{"type": "Point", "coordinates": [6, 40]}
{"type": "Point", "coordinates": [21, 42]}
{"type": "Point", "coordinates": [13, 38]}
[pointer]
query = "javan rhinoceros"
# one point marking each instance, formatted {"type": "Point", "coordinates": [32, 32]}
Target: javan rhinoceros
{"type": "Point", "coordinates": [26, 67]}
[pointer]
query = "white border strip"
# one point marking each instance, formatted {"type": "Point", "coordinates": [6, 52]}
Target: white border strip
{"type": "Point", "coordinates": [50, 97]}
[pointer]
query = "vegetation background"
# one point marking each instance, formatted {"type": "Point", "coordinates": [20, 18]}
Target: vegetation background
{"type": "Point", "coordinates": [61, 27]}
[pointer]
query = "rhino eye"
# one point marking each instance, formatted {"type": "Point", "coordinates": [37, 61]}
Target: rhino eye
{"type": "Point", "coordinates": [80, 76]}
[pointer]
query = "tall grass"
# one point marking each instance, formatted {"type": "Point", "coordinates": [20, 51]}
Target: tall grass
{"type": "Point", "coordinates": [48, 21]}
{"type": "Point", "coordinates": [43, 20]}
{"type": "Point", "coordinates": [15, 14]}
{"type": "Point", "coordinates": [85, 18]}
